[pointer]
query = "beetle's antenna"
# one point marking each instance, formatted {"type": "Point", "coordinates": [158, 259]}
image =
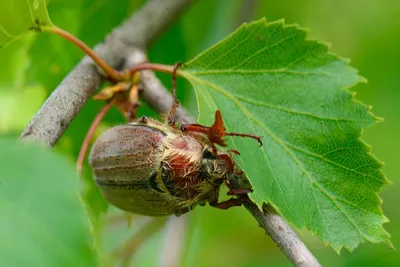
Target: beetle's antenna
{"type": "Point", "coordinates": [175, 104]}
{"type": "Point", "coordinates": [216, 132]}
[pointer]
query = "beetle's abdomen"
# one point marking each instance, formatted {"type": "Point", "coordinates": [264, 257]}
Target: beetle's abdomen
{"type": "Point", "coordinates": [124, 160]}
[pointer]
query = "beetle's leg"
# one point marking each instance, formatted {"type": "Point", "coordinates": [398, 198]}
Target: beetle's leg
{"type": "Point", "coordinates": [228, 158]}
{"type": "Point", "coordinates": [224, 205]}
{"type": "Point", "coordinates": [229, 161]}
{"type": "Point", "coordinates": [234, 151]}
{"type": "Point", "coordinates": [236, 191]}
{"type": "Point", "coordinates": [175, 103]}
{"type": "Point", "coordinates": [239, 172]}
{"type": "Point", "coordinates": [195, 128]}
{"type": "Point", "coordinates": [256, 137]}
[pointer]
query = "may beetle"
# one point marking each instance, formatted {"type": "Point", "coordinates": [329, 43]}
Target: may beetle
{"type": "Point", "coordinates": [158, 169]}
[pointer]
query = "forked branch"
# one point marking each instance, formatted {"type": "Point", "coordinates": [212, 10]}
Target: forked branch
{"type": "Point", "coordinates": [79, 85]}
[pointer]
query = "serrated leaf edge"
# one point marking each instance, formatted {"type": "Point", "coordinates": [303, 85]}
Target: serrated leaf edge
{"type": "Point", "coordinates": [185, 74]}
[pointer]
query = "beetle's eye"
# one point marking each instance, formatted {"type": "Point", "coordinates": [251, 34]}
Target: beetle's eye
{"type": "Point", "coordinates": [208, 154]}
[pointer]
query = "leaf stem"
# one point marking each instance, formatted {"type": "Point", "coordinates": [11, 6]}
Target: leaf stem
{"type": "Point", "coordinates": [152, 66]}
{"type": "Point", "coordinates": [111, 72]}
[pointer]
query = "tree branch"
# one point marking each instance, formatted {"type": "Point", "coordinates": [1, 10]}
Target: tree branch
{"type": "Point", "coordinates": [68, 98]}
{"type": "Point", "coordinates": [126, 42]}
{"type": "Point", "coordinates": [282, 235]}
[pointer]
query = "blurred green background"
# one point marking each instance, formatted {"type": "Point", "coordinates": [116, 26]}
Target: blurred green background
{"type": "Point", "coordinates": [366, 31]}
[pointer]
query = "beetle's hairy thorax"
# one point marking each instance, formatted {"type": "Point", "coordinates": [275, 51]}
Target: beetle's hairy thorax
{"type": "Point", "coordinates": [183, 173]}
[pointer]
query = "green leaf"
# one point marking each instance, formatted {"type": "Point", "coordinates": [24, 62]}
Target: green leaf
{"type": "Point", "coordinates": [18, 17]}
{"type": "Point", "coordinates": [14, 64]}
{"type": "Point", "coordinates": [85, 19]}
{"type": "Point", "coordinates": [17, 107]}
{"type": "Point", "coordinates": [269, 80]}
{"type": "Point", "coordinates": [43, 222]}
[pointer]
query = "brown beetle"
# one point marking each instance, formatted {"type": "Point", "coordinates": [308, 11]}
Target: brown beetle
{"type": "Point", "coordinates": [158, 169]}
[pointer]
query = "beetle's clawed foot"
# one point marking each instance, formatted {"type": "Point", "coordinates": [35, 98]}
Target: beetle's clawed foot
{"type": "Point", "coordinates": [234, 151]}
{"type": "Point", "coordinates": [253, 136]}
{"type": "Point", "coordinates": [259, 140]}
{"type": "Point", "coordinates": [233, 202]}
{"type": "Point", "coordinates": [239, 192]}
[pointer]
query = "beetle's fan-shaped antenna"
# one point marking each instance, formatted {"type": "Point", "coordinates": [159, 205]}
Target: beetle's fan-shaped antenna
{"type": "Point", "coordinates": [217, 131]}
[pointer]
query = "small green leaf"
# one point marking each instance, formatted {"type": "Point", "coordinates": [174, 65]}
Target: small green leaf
{"type": "Point", "coordinates": [269, 80]}
{"type": "Point", "coordinates": [18, 17]}
{"type": "Point", "coordinates": [42, 221]}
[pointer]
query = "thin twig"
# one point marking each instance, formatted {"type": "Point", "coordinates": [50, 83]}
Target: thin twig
{"type": "Point", "coordinates": [111, 72]}
{"type": "Point", "coordinates": [69, 97]}
{"type": "Point", "coordinates": [99, 117]}
{"type": "Point", "coordinates": [154, 91]}
{"type": "Point", "coordinates": [151, 66]}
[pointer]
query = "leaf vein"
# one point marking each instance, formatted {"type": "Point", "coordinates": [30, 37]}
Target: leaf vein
{"type": "Point", "coordinates": [264, 49]}
{"type": "Point", "coordinates": [303, 56]}
{"type": "Point", "coordinates": [332, 199]}
{"type": "Point", "coordinates": [356, 206]}
{"type": "Point", "coordinates": [292, 111]}
{"type": "Point", "coordinates": [332, 162]}
{"type": "Point", "coordinates": [230, 50]}
{"type": "Point", "coordinates": [259, 71]}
